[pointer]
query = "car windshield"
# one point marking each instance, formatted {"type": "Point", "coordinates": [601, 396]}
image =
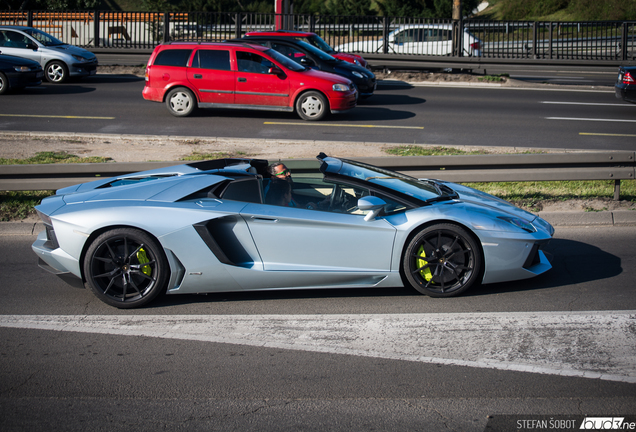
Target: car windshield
{"type": "Point", "coordinates": [44, 38]}
{"type": "Point", "coordinates": [319, 43]}
{"type": "Point", "coordinates": [285, 61]}
{"type": "Point", "coordinates": [392, 180]}
{"type": "Point", "coordinates": [315, 51]}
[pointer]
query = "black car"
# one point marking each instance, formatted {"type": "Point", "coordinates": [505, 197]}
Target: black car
{"type": "Point", "coordinates": [17, 73]}
{"type": "Point", "coordinates": [310, 56]}
{"type": "Point", "coordinates": [626, 84]}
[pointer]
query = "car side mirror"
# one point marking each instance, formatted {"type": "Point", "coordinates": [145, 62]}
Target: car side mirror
{"type": "Point", "coordinates": [307, 62]}
{"type": "Point", "coordinates": [372, 204]}
{"type": "Point", "coordinates": [275, 71]}
{"type": "Point", "coordinates": [32, 46]}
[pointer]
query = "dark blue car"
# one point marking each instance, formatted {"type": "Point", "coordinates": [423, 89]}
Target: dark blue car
{"type": "Point", "coordinates": [310, 56]}
{"type": "Point", "coordinates": [626, 84]}
{"type": "Point", "coordinates": [17, 73]}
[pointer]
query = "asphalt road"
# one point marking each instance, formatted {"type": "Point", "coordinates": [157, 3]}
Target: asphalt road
{"type": "Point", "coordinates": [564, 118]}
{"type": "Point", "coordinates": [561, 344]}
{"type": "Point", "coordinates": [354, 360]}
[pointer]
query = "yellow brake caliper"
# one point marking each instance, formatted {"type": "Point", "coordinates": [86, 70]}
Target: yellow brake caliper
{"type": "Point", "coordinates": [143, 258]}
{"type": "Point", "coordinates": [426, 273]}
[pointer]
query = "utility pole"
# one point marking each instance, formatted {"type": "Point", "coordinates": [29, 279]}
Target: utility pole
{"type": "Point", "coordinates": [458, 31]}
{"type": "Point", "coordinates": [457, 9]}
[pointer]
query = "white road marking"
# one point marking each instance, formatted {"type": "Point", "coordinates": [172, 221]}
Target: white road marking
{"type": "Point", "coordinates": [590, 103]}
{"type": "Point", "coordinates": [597, 344]}
{"type": "Point", "coordinates": [591, 119]}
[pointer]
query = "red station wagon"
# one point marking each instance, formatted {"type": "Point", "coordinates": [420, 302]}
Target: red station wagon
{"type": "Point", "coordinates": [187, 75]}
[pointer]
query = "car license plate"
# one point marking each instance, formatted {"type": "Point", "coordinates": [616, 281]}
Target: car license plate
{"type": "Point", "coordinates": [39, 75]}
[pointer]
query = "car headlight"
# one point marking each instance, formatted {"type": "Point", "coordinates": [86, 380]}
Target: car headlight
{"type": "Point", "coordinates": [519, 223]}
{"type": "Point", "coordinates": [79, 58]}
{"type": "Point", "coordinates": [357, 74]}
{"type": "Point", "coordinates": [22, 68]}
{"type": "Point", "coordinates": [356, 61]}
{"type": "Point", "coordinates": [340, 87]}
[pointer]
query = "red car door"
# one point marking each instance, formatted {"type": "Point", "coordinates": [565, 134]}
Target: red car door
{"type": "Point", "coordinates": [211, 74]}
{"type": "Point", "coordinates": [255, 86]}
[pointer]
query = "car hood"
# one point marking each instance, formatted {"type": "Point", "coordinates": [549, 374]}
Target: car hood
{"type": "Point", "coordinates": [17, 61]}
{"type": "Point", "coordinates": [72, 50]}
{"type": "Point", "coordinates": [474, 196]}
{"type": "Point", "coordinates": [336, 79]}
{"type": "Point", "coordinates": [345, 67]}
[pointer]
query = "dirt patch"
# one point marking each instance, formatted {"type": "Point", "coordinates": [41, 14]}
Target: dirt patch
{"type": "Point", "coordinates": [580, 205]}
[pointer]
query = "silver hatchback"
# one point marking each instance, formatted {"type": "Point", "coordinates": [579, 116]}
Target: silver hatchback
{"type": "Point", "coordinates": [59, 60]}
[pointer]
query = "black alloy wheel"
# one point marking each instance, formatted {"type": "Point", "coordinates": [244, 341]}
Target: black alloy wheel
{"type": "Point", "coordinates": [126, 268]}
{"type": "Point", "coordinates": [442, 260]}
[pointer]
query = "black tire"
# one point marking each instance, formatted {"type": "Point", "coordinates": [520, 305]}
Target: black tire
{"type": "Point", "coordinates": [4, 84]}
{"type": "Point", "coordinates": [126, 268]}
{"type": "Point", "coordinates": [181, 102]}
{"type": "Point", "coordinates": [312, 106]}
{"type": "Point", "coordinates": [442, 261]}
{"type": "Point", "coordinates": [56, 72]}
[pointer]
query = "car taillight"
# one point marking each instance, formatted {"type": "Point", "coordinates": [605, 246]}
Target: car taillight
{"type": "Point", "coordinates": [627, 78]}
{"type": "Point", "coordinates": [476, 46]}
{"type": "Point", "coordinates": [146, 75]}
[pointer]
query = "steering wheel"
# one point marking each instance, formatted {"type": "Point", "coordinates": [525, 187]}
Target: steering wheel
{"type": "Point", "coordinates": [335, 200]}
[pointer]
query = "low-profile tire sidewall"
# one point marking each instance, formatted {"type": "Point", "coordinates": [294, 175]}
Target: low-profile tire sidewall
{"type": "Point", "coordinates": [162, 266]}
{"type": "Point", "coordinates": [413, 245]}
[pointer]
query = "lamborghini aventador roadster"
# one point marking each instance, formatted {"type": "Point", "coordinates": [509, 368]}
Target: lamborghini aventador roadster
{"type": "Point", "coordinates": [216, 226]}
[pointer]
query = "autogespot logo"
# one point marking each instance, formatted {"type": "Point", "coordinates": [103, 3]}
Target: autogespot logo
{"type": "Point", "coordinates": [606, 423]}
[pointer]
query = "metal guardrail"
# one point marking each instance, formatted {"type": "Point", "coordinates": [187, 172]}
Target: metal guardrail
{"type": "Point", "coordinates": [615, 166]}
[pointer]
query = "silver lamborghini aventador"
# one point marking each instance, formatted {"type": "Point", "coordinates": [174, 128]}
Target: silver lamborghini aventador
{"type": "Point", "coordinates": [215, 226]}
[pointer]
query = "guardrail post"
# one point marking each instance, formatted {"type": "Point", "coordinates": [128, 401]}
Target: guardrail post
{"type": "Point", "coordinates": [617, 190]}
{"type": "Point", "coordinates": [312, 23]}
{"type": "Point", "coordinates": [30, 18]}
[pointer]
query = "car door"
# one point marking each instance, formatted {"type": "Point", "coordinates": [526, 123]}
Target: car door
{"type": "Point", "coordinates": [255, 86]}
{"type": "Point", "coordinates": [19, 45]}
{"type": "Point", "coordinates": [212, 75]}
{"type": "Point", "coordinates": [327, 240]}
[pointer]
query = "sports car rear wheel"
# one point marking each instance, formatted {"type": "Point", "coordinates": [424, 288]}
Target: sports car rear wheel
{"type": "Point", "coordinates": [442, 261]}
{"type": "Point", "coordinates": [126, 268]}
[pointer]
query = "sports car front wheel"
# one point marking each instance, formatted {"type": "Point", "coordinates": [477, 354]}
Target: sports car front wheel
{"type": "Point", "coordinates": [442, 261]}
{"type": "Point", "coordinates": [126, 268]}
